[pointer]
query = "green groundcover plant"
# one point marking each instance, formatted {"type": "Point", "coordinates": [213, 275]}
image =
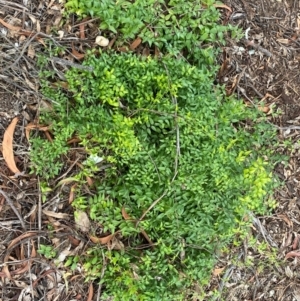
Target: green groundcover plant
{"type": "Point", "coordinates": [170, 154]}
{"type": "Point", "coordinates": [164, 142]}
{"type": "Point", "coordinates": [175, 26]}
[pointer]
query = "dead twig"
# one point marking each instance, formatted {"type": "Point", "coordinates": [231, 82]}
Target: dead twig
{"type": "Point", "coordinates": [267, 237]}
{"type": "Point", "coordinates": [151, 206]}
{"type": "Point", "coordinates": [101, 276]}
{"type": "Point", "coordinates": [258, 47]}
{"type": "Point", "coordinates": [39, 211]}
{"type": "Point", "coordinates": [22, 53]}
{"type": "Point", "coordinates": [9, 3]}
{"type": "Point", "coordinates": [71, 64]}
{"type": "Point", "coordinates": [12, 206]}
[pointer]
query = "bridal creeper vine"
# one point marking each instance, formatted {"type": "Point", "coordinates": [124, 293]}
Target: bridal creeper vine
{"type": "Point", "coordinates": [158, 128]}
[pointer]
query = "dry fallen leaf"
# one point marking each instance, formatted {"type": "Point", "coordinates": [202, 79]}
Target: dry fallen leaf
{"type": "Point", "coordinates": [102, 240]}
{"type": "Point", "coordinates": [81, 31]}
{"type": "Point", "coordinates": [82, 221]}
{"type": "Point", "coordinates": [56, 214]}
{"type": "Point", "coordinates": [7, 147]}
{"type": "Point", "coordinates": [5, 269]}
{"type": "Point", "coordinates": [32, 18]}
{"type": "Point", "coordinates": [292, 254]}
{"type": "Point", "coordinates": [91, 292]}
{"type": "Point", "coordinates": [77, 54]}
{"type": "Point", "coordinates": [9, 26]}
{"type": "Point", "coordinates": [218, 271]}
{"type": "Point", "coordinates": [135, 43]}
{"type": "Point", "coordinates": [72, 193]}
{"type": "Point", "coordinates": [223, 6]}
{"type": "Point", "coordinates": [127, 217]}
{"type": "Point", "coordinates": [31, 126]}
{"type": "Point", "coordinates": [296, 242]}
{"type": "Point", "coordinates": [283, 41]}
{"type": "Point", "coordinates": [264, 109]}
{"type": "Point", "coordinates": [19, 30]}
{"type": "Point", "coordinates": [286, 219]}
{"type": "Point", "coordinates": [116, 244]}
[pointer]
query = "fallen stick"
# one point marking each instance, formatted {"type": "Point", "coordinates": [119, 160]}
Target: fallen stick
{"type": "Point", "coordinates": [12, 206]}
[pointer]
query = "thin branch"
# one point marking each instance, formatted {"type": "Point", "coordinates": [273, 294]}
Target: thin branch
{"type": "Point", "coordinates": [152, 205]}
{"type": "Point", "coordinates": [22, 53]}
{"type": "Point", "coordinates": [71, 64]}
{"type": "Point", "coordinates": [39, 211]}
{"type": "Point", "coordinates": [12, 206]}
{"type": "Point", "coordinates": [101, 276]}
{"type": "Point", "coordinates": [258, 47]}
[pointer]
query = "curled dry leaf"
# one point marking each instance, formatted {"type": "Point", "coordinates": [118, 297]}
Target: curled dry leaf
{"type": "Point", "coordinates": [292, 254]}
{"type": "Point", "coordinates": [116, 244]}
{"type": "Point", "coordinates": [9, 26]}
{"type": "Point", "coordinates": [135, 43]}
{"type": "Point", "coordinates": [286, 219]}
{"type": "Point", "coordinates": [7, 146]}
{"type": "Point", "coordinates": [125, 215]}
{"type": "Point", "coordinates": [223, 6]}
{"type": "Point", "coordinates": [5, 271]}
{"type": "Point", "coordinates": [102, 240]}
{"type": "Point", "coordinates": [77, 54]}
{"type": "Point", "coordinates": [128, 218]}
{"type": "Point", "coordinates": [218, 271]}
{"type": "Point", "coordinates": [31, 126]}
{"type": "Point", "coordinates": [19, 30]}
{"type": "Point", "coordinates": [66, 181]}
{"type": "Point", "coordinates": [82, 221]}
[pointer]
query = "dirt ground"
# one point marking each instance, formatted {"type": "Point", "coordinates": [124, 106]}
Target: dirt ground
{"type": "Point", "coordinates": [263, 66]}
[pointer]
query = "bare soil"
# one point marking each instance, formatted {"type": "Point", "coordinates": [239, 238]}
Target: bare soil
{"type": "Point", "coordinates": [263, 66]}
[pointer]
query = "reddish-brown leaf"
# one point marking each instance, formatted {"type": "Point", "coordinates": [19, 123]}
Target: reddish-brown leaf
{"type": "Point", "coordinates": [127, 217]}
{"type": "Point", "coordinates": [91, 292]}
{"type": "Point", "coordinates": [72, 193]}
{"type": "Point", "coordinates": [31, 126]}
{"type": "Point", "coordinates": [102, 240]}
{"type": "Point", "coordinates": [77, 54]}
{"type": "Point", "coordinates": [135, 43]}
{"type": "Point", "coordinates": [81, 31]}
{"type": "Point", "coordinates": [125, 214]}
{"type": "Point", "coordinates": [9, 26]}
{"type": "Point", "coordinates": [296, 242]}
{"type": "Point", "coordinates": [264, 109]}
{"type": "Point", "coordinates": [7, 147]}
{"type": "Point", "coordinates": [123, 49]}
{"type": "Point", "coordinates": [292, 254]}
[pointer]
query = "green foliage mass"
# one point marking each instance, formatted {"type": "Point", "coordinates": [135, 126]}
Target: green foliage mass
{"type": "Point", "coordinates": [175, 26]}
{"type": "Point", "coordinates": [163, 130]}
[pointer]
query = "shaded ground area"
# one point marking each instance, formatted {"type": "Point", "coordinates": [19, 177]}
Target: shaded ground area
{"type": "Point", "coordinates": [263, 66]}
